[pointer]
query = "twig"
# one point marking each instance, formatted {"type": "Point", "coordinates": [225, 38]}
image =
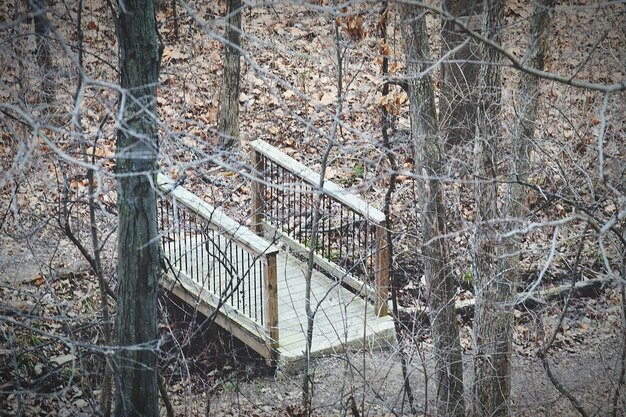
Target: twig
{"type": "Point", "coordinates": [622, 376]}
{"type": "Point", "coordinates": [543, 352]}
{"type": "Point", "coordinates": [385, 126]}
{"type": "Point", "coordinates": [164, 395]}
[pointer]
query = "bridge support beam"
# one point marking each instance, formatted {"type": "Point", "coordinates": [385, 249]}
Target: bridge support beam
{"type": "Point", "coordinates": [382, 270]}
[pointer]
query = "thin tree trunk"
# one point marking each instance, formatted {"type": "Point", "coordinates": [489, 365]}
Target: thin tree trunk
{"type": "Point", "coordinates": [493, 319]}
{"type": "Point", "coordinates": [386, 124]}
{"type": "Point", "coordinates": [138, 251]}
{"type": "Point", "coordinates": [228, 117]}
{"type": "Point", "coordinates": [429, 169]}
{"type": "Point", "coordinates": [526, 110]}
{"type": "Point", "coordinates": [459, 73]}
{"type": "Point", "coordinates": [43, 56]}
{"type": "Point", "coordinates": [307, 386]}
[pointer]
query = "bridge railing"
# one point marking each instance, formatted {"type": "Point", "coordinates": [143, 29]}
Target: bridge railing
{"type": "Point", "coordinates": [218, 259]}
{"type": "Point", "coordinates": [351, 243]}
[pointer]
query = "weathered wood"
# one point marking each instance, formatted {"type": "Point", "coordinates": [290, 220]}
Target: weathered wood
{"type": "Point", "coordinates": [136, 153]}
{"type": "Point", "coordinates": [581, 288]}
{"type": "Point", "coordinates": [344, 319]}
{"type": "Point", "coordinates": [528, 299]}
{"type": "Point", "coordinates": [258, 191]}
{"type": "Point", "coordinates": [271, 301]}
{"type": "Point", "coordinates": [331, 268]}
{"type": "Point", "coordinates": [242, 235]}
{"type": "Point", "coordinates": [382, 271]}
{"type": "Point", "coordinates": [228, 113]}
{"type": "Point", "coordinates": [242, 327]}
{"type": "Point", "coordinates": [340, 194]}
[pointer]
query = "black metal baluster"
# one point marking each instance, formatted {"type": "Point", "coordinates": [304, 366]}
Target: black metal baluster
{"type": "Point", "coordinates": [170, 230]}
{"type": "Point", "coordinates": [189, 245]}
{"type": "Point", "coordinates": [239, 283]}
{"type": "Point", "coordinates": [320, 228]}
{"type": "Point", "coordinates": [373, 249]}
{"type": "Point", "coordinates": [179, 257]}
{"type": "Point", "coordinates": [261, 293]}
{"type": "Point", "coordinates": [201, 251]}
{"type": "Point", "coordinates": [215, 248]}
{"type": "Point", "coordinates": [329, 228]}
{"type": "Point", "coordinates": [231, 272]}
{"type": "Point", "coordinates": [281, 205]}
{"type": "Point", "coordinates": [270, 193]}
{"type": "Point", "coordinates": [196, 228]}
{"type": "Point", "coordinates": [341, 234]}
{"type": "Point", "coordinates": [254, 282]}
{"type": "Point", "coordinates": [188, 253]}
{"type": "Point", "coordinates": [218, 259]}
{"type": "Point", "coordinates": [353, 261]}
{"type": "Point", "coordinates": [365, 248]}
{"type": "Point", "coordinates": [248, 272]}
{"type": "Point", "coordinates": [305, 226]}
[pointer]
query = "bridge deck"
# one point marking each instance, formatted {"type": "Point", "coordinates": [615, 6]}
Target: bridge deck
{"type": "Point", "coordinates": [343, 318]}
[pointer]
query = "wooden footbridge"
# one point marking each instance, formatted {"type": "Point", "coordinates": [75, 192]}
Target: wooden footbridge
{"type": "Point", "coordinates": [253, 279]}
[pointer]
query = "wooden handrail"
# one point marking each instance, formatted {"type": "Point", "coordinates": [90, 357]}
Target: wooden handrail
{"type": "Point", "coordinates": [240, 234]}
{"type": "Point", "coordinates": [243, 237]}
{"type": "Point", "coordinates": [340, 194]}
{"type": "Point", "coordinates": [332, 190]}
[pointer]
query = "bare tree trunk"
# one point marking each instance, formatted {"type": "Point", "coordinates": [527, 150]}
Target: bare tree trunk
{"type": "Point", "coordinates": [493, 319]}
{"type": "Point", "coordinates": [138, 251]}
{"type": "Point", "coordinates": [526, 110]}
{"type": "Point", "coordinates": [43, 57]}
{"type": "Point", "coordinates": [228, 117]}
{"type": "Point", "coordinates": [429, 169]}
{"type": "Point", "coordinates": [459, 74]}
{"type": "Point", "coordinates": [307, 386]}
{"type": "Point", "coordinates": [496, 276]}
{"type": "Point", "coordinates": [386, 124]}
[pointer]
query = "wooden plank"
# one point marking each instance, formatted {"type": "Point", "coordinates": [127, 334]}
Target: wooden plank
{"type": "Point", "coordinates": [340, 194]}
{"type": "Point", "coordinates": [189, 291]}
{"type": "Point", "coordinates": [340, 317]}
{"type": "Point", "coordinates": [382, 271]}
{"type": "Point", "coordinates": [239, 233]}
{"type": "Point", "coordinates": [258, 192]}
{"type": "Point", "coordinates": [258, 344]}
{"type": "Point", "coordinates": [381, 328]}
{"type": "Point", "coordinates": [215, 281]}
{"type": "Point", "coordinates": [271, 301]}
{"type": "Point", "coordinates": [196, 289]}
{"type": "Point", "coordinates": [350, 280]}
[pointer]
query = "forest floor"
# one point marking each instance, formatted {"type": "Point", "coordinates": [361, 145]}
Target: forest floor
{"type": "Point", "coordinates": [49, 300]}
{"type": "Point", "coordinates": [217, 376]}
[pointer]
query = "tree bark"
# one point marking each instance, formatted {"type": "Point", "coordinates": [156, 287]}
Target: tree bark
{"type": "Point", "coordinates": [228, 117]}
{"type": "Point", "coordinates": [459, 74]}
{"type": "Point", "coordinates": [526, 110]}
{"type": "Point", "coordinates": [493, 323]}
{"type": "Point", "coordinates": [495, 264]}
{"type": "Point", "coordinates": [429, 169]}
{"type": "Point", "coordinates": [138, 252]}
{"type": "Point", "coordinates": [43, 57]}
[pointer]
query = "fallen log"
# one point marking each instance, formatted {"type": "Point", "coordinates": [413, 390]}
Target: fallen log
{"type": "Point", "coordinates": [527, 300]}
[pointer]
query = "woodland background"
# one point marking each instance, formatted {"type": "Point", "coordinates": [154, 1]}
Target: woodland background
{"type": "Point", "coordinates": [52, 330]}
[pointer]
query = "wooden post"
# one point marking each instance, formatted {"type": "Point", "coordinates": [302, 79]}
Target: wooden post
{"type": "Point", "coordinates": [258, 193]}
{"type": "Point", "coordinates": [381, 271]}
{"type": "Point", "coordinates": [271, 301]}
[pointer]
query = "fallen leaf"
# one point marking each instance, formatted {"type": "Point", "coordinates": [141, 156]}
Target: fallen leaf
{"type": "Point", "coordinates": [63, 359]}
{"type": "Point", "coordinates": [273, 130]}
